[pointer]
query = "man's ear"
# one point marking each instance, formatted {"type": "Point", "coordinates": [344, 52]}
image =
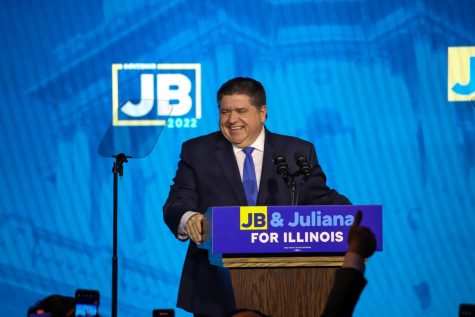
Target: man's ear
{"type": "Point", "coordinates": [263, 113]}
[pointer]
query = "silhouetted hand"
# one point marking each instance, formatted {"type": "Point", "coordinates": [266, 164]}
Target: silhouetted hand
{"type": "Point", "coordinates": [194, 228]}
{"type": "Point", "coordinates": [361, 240]}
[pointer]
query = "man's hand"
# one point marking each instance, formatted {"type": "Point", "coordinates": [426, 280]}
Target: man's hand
{"type": "Point", "coordinates": [361, 240]}
{"type": "Point", "coordinates": [194, 228]}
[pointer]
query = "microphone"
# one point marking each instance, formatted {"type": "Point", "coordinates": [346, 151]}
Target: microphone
{"type": "Point", "coordinates": [281, 166]}
{"type": "Point", "coordinates": [303, 164]}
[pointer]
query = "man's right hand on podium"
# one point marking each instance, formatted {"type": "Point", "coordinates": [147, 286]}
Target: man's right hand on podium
{"type": "Point", "coordinates": [194, 228]}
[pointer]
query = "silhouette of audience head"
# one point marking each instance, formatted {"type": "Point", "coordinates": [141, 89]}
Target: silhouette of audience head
{"type": "Point", "coordinates": [55, 305]}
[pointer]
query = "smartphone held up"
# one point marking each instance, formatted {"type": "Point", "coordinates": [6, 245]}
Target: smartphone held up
{"type": "Point", "coordinates": [87, 303]}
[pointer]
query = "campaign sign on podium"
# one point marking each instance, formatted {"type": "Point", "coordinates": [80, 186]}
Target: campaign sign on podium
{"type": "Point", "coordinates": [286, 229]}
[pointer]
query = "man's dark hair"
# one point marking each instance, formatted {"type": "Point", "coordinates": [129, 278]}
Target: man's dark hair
{"type": "Point", "coordinates": [245, 86]}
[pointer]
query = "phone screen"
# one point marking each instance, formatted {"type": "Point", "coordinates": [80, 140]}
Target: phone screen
{"type": "Point", "coordinates": [86, 310]}
{"type": "Point", "coordinates": [87, 303]}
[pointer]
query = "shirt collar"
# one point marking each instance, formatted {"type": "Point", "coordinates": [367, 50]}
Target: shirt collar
{"type": "Point", "coordinates": [257, 145]}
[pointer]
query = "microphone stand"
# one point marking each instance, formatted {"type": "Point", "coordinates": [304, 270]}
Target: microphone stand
{"type": "Point", "coordinates": [283, 170]}
{"type": "Point", "coordinates": [117, 169]}
{"type": "Point", "coordinates": [292, 184]}
{"type": "Point", "coordinates": [294, 195]}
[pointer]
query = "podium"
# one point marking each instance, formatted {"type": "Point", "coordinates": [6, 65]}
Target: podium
{"type": "Point", "coordinates": [282, 259]}
{"type": "Point", "coordinates": [283, 286]}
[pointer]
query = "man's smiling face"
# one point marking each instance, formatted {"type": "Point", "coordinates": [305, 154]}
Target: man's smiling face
{"type": "Point", "coordinates": [240, 121]}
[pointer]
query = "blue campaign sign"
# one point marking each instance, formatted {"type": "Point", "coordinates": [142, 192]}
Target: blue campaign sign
{"type": "Point", "coordinates": [285, 229]}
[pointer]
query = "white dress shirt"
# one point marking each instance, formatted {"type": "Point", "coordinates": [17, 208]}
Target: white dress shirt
{"type": "Point", "coordinates": [257, 156]}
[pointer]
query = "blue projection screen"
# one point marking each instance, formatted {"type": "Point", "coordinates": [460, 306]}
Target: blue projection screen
{"type": "Point", "coordinates": [384, 89]}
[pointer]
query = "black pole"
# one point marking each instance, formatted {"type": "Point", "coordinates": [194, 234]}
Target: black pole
{"type": "Point", "coordinates": [293, 191]}
{"type": "Point", "coordinates": [117, 169]}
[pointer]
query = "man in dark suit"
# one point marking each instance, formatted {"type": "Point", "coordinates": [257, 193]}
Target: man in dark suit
{"type": "Point", "coordinates": [233, 167]}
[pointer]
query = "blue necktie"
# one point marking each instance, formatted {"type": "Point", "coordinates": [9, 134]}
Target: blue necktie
{"type": "Point", "coordinates": [249, 177]}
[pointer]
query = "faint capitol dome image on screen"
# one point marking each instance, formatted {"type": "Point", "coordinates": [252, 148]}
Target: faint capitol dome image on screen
{"type": "Point", "coordinates": [369, 83]}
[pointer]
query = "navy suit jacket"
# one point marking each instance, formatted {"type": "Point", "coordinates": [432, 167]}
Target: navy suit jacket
{"type": "Point", "coordinates": [207, 176]}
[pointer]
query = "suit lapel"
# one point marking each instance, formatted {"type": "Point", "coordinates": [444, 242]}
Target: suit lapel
{"type": "Point", "coordinates": [227, 161]}
{"type": "Point", "coordinates": [268, 170]}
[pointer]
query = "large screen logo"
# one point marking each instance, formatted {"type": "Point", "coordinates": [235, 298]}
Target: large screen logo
{"type": "Point", "coordinates": [148, 94]}
{"type": "Point", "coordinates": [461, 73]}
